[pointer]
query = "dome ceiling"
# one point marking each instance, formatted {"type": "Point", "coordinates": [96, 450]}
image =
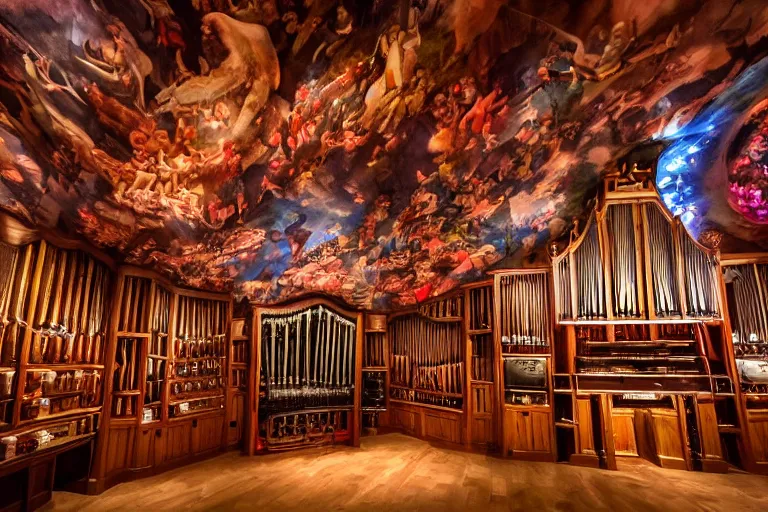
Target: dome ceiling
{"type": "Point", "coordinates": [381, 152]}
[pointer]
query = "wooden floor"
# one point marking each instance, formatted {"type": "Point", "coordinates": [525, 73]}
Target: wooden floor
{"type": "Point", "coordinates": [399, 473]}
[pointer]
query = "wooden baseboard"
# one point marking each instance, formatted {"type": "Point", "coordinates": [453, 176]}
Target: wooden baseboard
{"type": "Point", "coordinates": [533, 456]}
{"type": "Point", "coordinates": [715, 466]}
{"type": "Point", "coordinates": [585, 460]}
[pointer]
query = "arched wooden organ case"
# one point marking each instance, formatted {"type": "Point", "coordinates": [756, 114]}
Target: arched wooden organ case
{"type": "Point", "coordinates": [641, 356]}
{"type": "Point", "coordinates": [309, 358]}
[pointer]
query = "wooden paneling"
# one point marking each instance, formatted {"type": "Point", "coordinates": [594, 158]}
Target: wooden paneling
{"type": "Point", "coordinates": [442, 426]}
{"type": "Point", "coordinates": [119, 448]}
{"type": "Point", "coordinates": [178, 442]}
{"type": "Point", "coordinates": [407, 420]}
{"type": "Point", "coordinates": [145, 448]}
{"type": "Point", "coordinates": [160, 446]}
{"type": "Point", "coordinates": [482, 431]}
{"type": "Point", "coordinates": [624, 432]}
{"type": "Point", "coordinates": [481, 399]}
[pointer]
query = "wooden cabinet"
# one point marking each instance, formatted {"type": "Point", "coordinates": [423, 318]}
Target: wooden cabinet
{"type": "Point", "coordinates": [119, 449]}
{"type": "Point", "coordinates": [709, 433]}
{"type": "Point", "coordinates": [669, 438]}
{"type": "Point", "coordinates": [528, 431]}
{"type": "Point", "coordinates": [150, 447]}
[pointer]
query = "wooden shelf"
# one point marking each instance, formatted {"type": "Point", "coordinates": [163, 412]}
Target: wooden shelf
{"type": "Point", "coordinates": [62, 414]}
{"type": "Point", "coordinates": [475, 332]}
{"type": "Point", "coordinates": [56, 446]}
{"type": "Point", "coordinates": [64, 366]}
{"type": "Point", "coordinates": [129, 334]}
{"type": "Point", "coordinates": [505, 354]}
{"type": "Point", "coordinates": [211, 411]}
{"type": "Point", "coordinates": [635, 321]}
{"type": "Point", "coordinates": [481, 382]}
{"type": "Point", "coordinates": [428, 406]}
{"type": "Point", "coordinates": [564, 424]}
{"type": "Point", "coordinates": [375, 331]}
{"type": "Point", "coordinates": [130, 392]}
{"type": "Point", "coordinates": [177, 401]}
{"type": "Point", "coordinates": [375, 369]}
{"type": "Point", "coordinates": [428, 391]}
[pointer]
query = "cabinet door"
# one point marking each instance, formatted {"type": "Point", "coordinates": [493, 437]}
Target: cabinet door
{"type": "Point", "coordinates": [178, 442]}
{"type": "Point", "coordinates": [528, 431]}
{"type": "Point", "coordinates": [120, 447]}
{"type": "Point", "coordinates": [206, 435]}
{"type": "Point", "coordinates": [520, 438]}
{"type": "Point", "coordinates": [236, 418]}
{"type": "Point", "coordinates": [757, 424]}
{"type": "Point", "coordinates": [541, 432]}
{"type": "Point", "coordinates": [145, 448]}
{"type": "Point", "coordinates": [160, 442]}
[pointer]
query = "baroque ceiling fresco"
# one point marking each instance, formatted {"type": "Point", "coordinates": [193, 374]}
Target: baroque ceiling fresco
{"type": "Point", "coordinates": [381, 152]}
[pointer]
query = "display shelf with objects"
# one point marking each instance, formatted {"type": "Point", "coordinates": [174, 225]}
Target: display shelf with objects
{"type": "Point", "coordinates": [168, 361]}
{"type": "Point", "coordinates": [54, 303]}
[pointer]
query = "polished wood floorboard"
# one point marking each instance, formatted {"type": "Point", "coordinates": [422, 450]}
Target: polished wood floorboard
{"type": "Point", "coordinates": [397, 473]}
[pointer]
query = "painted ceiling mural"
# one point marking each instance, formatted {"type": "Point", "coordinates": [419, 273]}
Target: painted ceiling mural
{"type": "Point", "coordinates": [381, 152]}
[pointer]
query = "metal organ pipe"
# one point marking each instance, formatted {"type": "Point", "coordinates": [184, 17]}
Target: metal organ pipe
{"type": "Point", "coordinates": [313, 353]}
{"type": "Point", "coordinates": [589, 271]}
{"type": "Point", "coordinates": [623, 259]}
{"type": "Point", "coordinates": [700, 288]}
